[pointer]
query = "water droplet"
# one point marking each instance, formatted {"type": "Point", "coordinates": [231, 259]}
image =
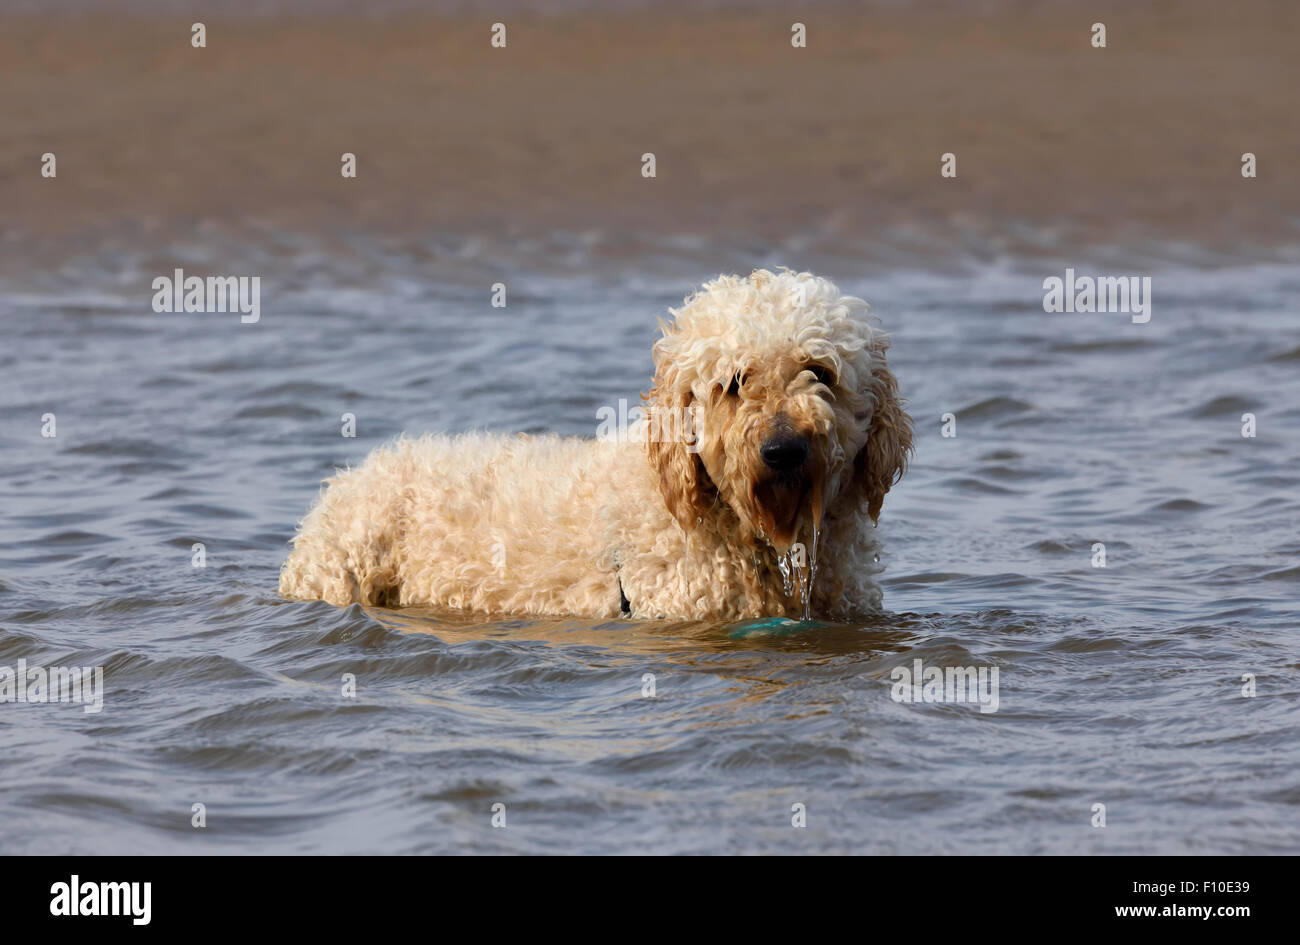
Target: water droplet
{"type": "Point", "coordinates": [786, 564]}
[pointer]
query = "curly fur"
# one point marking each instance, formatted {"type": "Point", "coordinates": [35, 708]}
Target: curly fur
{"type": "Point", "coordinates": [676, 527]}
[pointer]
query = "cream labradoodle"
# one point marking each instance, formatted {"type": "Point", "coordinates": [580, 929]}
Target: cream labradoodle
{"type": "Point", "coordinates": [769, 440]}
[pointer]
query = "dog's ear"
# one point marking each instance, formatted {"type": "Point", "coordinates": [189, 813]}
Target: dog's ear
{"type": "Point", "coordinates": [881, 462]}
{"type": "Point", "coordinates": [688, 493]}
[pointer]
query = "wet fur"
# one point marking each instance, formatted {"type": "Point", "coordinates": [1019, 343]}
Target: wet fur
{"type": "Point", "coordinates": [550, 525]}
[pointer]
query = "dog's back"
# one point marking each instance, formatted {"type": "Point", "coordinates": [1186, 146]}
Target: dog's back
{"type": "Point", "coordinates": [473, 522]}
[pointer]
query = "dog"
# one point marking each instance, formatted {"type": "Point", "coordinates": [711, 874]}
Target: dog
{"type": "Point", "coordinates": [787, 432]}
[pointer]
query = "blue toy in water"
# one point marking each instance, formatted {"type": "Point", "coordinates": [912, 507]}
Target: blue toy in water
{"type": "Point", "coordinates": [774, 627]}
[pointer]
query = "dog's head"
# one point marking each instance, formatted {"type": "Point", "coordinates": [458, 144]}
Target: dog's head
{"type": "Point", "coordinates": [789, 411]}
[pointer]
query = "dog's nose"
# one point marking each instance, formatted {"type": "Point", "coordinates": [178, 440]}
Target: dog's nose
{"type": "Point", "coordinates": [785, 452]}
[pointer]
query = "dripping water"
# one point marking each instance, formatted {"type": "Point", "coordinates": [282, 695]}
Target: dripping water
{"type": "Point", "coordinates": [799, 571]}
{"type": "Point", "coordinates": [812, 574]}
{"type": "Point", "coordinates": [787, 563]}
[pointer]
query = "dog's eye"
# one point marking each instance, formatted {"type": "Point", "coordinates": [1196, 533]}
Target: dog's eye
{"type": "Point", "coordinates": [823, 374]}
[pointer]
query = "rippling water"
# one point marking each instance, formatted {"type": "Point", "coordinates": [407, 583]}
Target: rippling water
{"type": "Point", "coordinates": [1118, 686]}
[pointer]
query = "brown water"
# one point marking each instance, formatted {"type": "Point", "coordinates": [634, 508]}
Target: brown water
{"type": "Point", "coordinates": [1118, 685]}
